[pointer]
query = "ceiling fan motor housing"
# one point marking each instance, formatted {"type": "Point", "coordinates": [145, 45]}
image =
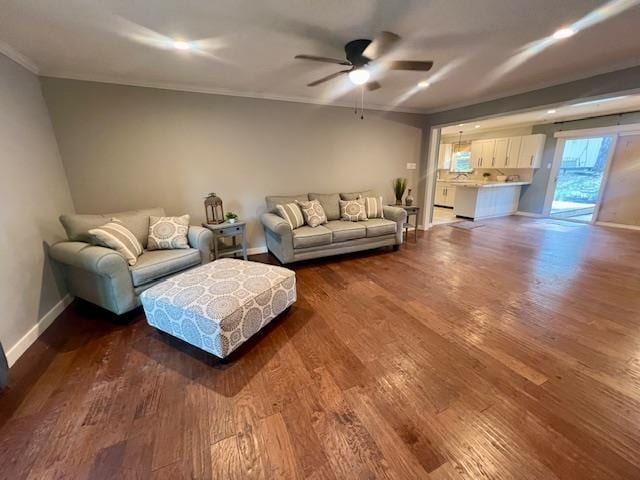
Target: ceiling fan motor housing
{"type": "Point", "coordinates": [354, 50]}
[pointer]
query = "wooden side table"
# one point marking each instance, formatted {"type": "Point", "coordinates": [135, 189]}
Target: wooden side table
{"type": "Point", "coordinates": [410, 211]}
{"type": "Point", "coordinates": [224, 230]}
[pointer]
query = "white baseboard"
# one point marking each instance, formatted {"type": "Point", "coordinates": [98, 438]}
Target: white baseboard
{"type": "Point", "coordinates": [618, 225]}
{"type": "Point", "coordinates": [529, 214]}
{"type": "Point", "coordinates": [256, 250]}
{"type": "Point", "coordinates": [14, 352]}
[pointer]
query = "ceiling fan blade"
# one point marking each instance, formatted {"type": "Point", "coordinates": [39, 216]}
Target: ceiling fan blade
{"type": "Point", "coordinates": [380, 45]}
{"type": "Point", "coordinates": [410, 65]}
{"type": "Point", "coordinates": [327, 78]}
{"type": "Point", "coordinates": [315, 58]}
{"type": "Point", "coordinates": [371, 86]}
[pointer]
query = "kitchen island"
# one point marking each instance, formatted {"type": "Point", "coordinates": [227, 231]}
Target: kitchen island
{"type": "Point", "coordinates": [477, 200]}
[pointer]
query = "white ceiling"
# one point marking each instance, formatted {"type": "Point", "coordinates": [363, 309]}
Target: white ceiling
{"type": "Point", "coordinates": [551, 114]}
{"type": "Point", "coordinates": [482, 49]}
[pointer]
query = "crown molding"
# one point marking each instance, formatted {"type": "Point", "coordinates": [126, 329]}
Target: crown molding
{"type": "Point", "coordinates": [18, 57]}
{"type": "Point", "coordinates": [223, 91]}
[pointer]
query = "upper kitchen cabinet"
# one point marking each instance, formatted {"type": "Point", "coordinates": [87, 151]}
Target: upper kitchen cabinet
{"type": "Point", "coordinates": [482, 153]}
{"type": "Point", "coordinates": [444, 156]}
{"type": "Point", "coordinates": [531, 151]}
{"type": "Point", "coordinates": [513, 152]}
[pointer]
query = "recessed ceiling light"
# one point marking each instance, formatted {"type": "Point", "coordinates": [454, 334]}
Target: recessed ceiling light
{"type": "Point", "coordinates": [423, 84]}
{"type": "Point", "coordinates": [359, 76]}
{"type": "Point", "coordinates": [477, 126]}
{"type": "Point", "coordinates": [564, 33]}
{"type": "Point", "coordinates": [551, 111]}
{"type": "Point", "coordinates": [602, 100]}
{"type": "Point", "coordinates": [181, 45]}
{"type": "Point", "coordinates": [461, 124]}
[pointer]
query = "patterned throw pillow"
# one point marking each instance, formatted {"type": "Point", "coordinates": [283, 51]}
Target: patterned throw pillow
{"type": "Point", "coordinates": [168, 233]}
{"type": "Point", "coordinates": [313, 212]}
{"type": "Point", "coordinates": [292, 214]}
{"type": "Point", "coordinates": [353, 210]}
{"type": "Point", "coordinates": [374, 207]}
{"type": "Point", "coordinates": [116, 236]}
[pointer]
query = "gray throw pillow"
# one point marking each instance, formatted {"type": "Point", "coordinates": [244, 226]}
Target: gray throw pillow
{"type": "Point", "coordinates": [168, 233]}
{"type": "Point", "coordinates": [118, 237]}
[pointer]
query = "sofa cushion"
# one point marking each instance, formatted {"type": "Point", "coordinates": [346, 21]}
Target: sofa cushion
{"type": "Point", "coordinates": [119, 238]}
{"type": "Point", "coordinates": [292, 214]}
{"type": "Point", "coordinates": [77, 226]}
{"type": "Point", "coordinates": [353, 210]}
{"type": "Point", "coordinates": [375, 208]}
{"type": "Point", "coordinates": [356, 195]}
{"type": "Point", "coordinates": [342, 231]}
{"type": "Point", "coordinates": [156, 264]}
{"type": "Point", "coordinates": [273, 200]}
{"type": "Point", "coordinates": [330, 203]}
{"type": "Point", "coordinates": [313, 213]}
{"type": "Point", "coordinates": [168, 233]}
{"type": "Point", "coordinates": [376, 227]}
{"type": "Point", "coordinates": [311, 236]}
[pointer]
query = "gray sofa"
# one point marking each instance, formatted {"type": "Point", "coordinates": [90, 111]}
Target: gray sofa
{"type": "Point", "coordinates": [333, 238]}
{"type": "Point", "coordinates": [102, 276]}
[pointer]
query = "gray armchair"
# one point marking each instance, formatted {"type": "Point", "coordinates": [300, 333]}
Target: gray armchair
{"type": "Point", "coordinates": [102, 276]}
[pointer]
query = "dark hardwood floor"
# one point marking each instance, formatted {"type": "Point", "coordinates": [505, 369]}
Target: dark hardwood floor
{"type": "Point", "coordinates": [507, 351]}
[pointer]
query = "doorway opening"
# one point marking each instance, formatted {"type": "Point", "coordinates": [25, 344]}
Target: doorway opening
{"type": "Point", "coordinates": [580, 177]}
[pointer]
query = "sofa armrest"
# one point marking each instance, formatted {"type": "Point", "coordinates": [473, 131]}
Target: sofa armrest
{"type": "Point", "coordinates": [99, 260]}
{"type": "Point", "coordinates": [276, 224]}
{"type": "Point", "coordinates": [201, 238]}
{"type": "Point", "coordinates": [395, 213]}
{"type": "Point", "coordinates": [398, 215]}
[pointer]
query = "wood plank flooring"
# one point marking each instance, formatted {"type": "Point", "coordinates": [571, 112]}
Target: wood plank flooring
{"type": "Point", "coordinates": [507, 351]}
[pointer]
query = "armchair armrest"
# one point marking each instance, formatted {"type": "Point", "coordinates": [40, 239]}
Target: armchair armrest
{"type": "Point", "coordinates": [96, 274]}
{"type": "Point", "coordinates": [99, 260]}
{"type": "Point", "coordinates": [200, 238]}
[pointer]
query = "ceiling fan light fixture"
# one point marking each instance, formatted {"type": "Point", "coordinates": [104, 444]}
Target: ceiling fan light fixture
{"type": "Point", "coordinates": [359, 76]}
{"type": "Point", "coordinates": [424, 84]}
{"type": "Point", "coordinates": [564, 33]}
{"type": "Point", "coordinates": [181, 45]}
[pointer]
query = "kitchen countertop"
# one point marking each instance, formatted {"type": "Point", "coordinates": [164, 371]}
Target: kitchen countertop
{"type": "Point", "coordinates": [481, 184]}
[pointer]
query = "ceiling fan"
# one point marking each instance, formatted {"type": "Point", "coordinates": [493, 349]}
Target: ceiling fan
{"type": "Point", "coordinates": [361, 54]}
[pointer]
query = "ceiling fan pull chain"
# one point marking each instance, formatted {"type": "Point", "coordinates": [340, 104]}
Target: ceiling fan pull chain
{"type": "Point", "coordinates": [362, 102]}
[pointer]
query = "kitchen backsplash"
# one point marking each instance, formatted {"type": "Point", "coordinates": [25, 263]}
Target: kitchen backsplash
{"type": "Point", "coordinates": [526, 174]}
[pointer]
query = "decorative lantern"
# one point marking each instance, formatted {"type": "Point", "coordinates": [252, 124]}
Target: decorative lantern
{"type": "Point", "coordinates": [213, 209]}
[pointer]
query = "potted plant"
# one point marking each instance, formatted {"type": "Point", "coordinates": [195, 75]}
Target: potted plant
{"type": "Point", "coordinates": [399, 186]}
{"type": "Point", "coordinates": [231, 217]}
{"type": "Point", "coordinates": [486, 176]}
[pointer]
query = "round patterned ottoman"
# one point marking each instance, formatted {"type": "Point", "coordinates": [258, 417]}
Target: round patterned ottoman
{"type": "Point", "coordinates": [219, 306]}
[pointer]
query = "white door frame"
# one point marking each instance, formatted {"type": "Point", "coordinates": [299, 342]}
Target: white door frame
{"type": "Point", "coordinates": [557, 161]}
{"type": "Point", "coordinates": [431, 168]}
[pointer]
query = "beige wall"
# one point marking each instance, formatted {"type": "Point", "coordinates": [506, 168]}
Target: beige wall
{"type": "Point", "coordinates": [129, 147]}
{"type": "Point", "coordinates": [33, 192]}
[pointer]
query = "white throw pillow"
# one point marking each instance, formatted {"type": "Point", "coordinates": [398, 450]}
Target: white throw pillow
{"type": "Point", "coordinates": [313, 212]}
{"type": "Point", "coordinates": [353, 210]}
{"type": "Point", "coordinates": [168, 233]}
{"type": "Point", "coordinates": [292, 214]}
{"type": "Point", "coordinates": [116, 236]}
{"type": "Point", "coordinates": [374, 207]}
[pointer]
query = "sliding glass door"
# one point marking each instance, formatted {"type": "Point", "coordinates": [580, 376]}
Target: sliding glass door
{"type": "Point", "coordinates": [579, 178]}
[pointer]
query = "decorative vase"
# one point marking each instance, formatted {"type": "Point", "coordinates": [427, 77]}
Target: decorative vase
{"type": "Point", "coordinates": [232, 220]}
{"type": "Point", "coordinates": [408, 201]}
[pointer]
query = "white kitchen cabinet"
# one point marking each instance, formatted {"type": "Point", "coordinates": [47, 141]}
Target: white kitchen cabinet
{"type": "Point", "coordinates": [445, 195]}
{"type": "Point", "coordinates": [444, 156]}
{"type": "Point", "coordinates": [513, 152]}
{"type": "Point", "coordinates": [500, 152]}
{"type": "Point", "coordinates": [530, 155]}
{"type": "Point", "coordinates": [482, 153]}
